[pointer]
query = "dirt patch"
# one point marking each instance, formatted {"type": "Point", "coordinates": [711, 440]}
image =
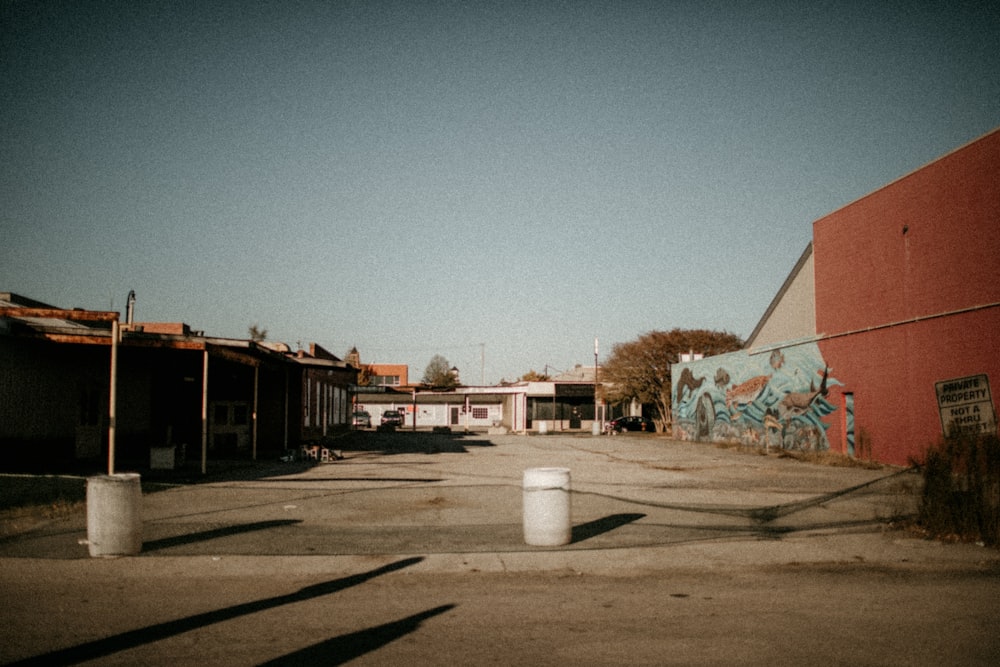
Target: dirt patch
{"type": "Point", "coordinates": [23, 519]}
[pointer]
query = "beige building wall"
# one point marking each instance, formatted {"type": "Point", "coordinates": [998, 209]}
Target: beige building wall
{"type": "Point", "coordinates": [792, 313]}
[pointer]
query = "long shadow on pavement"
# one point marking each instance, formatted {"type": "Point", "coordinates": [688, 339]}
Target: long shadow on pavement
{"type": "Point", "coordinates": [585, 531]}
{"type": "Point", "coordinates": [167, 542]}
{"type": "Point", "coordinates": [411, 442]}
{"type": "Point", "coordinates": [342, 649]}
{"type": "Point", "coordinates": [133, 638]}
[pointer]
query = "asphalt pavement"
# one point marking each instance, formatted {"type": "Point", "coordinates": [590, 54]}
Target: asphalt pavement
{"type": "Point", "coordinates": [411, 550]}
{"type": "Point", "coordinates": [638, 503]}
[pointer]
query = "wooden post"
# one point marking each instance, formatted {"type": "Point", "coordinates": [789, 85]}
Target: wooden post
{"type": "Point", "coordinates": [113, 398]}
{"type": "Point", "coordinates": [256, 387]}
{"type": "Point", "coordinates": [204, 414]}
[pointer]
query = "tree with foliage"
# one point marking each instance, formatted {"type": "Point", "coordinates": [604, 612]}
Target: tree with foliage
{"type": "Point", "coordinates": [534, 376]}
{"type": "Point", "coordinates": [640, 369]}
{"type": "Point", "coordinates": [256, 333]}
{"type": "Point", "coordinates": [438, 373]}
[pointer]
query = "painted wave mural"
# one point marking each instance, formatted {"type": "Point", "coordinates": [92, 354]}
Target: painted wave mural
{"type": "Point", "coordinates": [776, 398]}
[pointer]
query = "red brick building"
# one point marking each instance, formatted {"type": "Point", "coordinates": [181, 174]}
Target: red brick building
{"type": "Point", "coordinates": [898, 293]}
{"type": "Point", "coordinates": [908, 295]}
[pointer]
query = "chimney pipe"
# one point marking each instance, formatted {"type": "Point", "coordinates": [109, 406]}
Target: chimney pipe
{"type": "Point", "coordinates": [130, 307]}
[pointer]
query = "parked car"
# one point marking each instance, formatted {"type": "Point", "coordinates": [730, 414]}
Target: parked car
{"type": "Point", "coordinates": [392, 418]}
{"type": "Point", "coordinates": [632, 424]}
{"type": "Point", "coordinates": [362, 419]}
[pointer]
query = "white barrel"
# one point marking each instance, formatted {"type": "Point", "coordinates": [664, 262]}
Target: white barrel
{"type": "Point", "coordinates": [543, 427]}
{"type": "Point", "coordinates": [547, 507]}
{"type": "Point", "coordinates": [114, 515]}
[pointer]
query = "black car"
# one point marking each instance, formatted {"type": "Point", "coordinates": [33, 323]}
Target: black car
{"type": "Point", "coordinates": [632, 424]}
{"type": "Point", "coordinates": [392, 418]}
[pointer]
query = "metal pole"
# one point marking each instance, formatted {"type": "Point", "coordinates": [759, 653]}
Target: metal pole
{"type": "Point", "coordinates": [596, 399]}
{"type": "Point", "coordinates": [113, 398]}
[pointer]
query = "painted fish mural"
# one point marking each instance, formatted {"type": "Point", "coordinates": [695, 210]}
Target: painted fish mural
{"type": "Point", "coordinates": [746, 392]}
{"type": "Point", "coordinates": [777, 399]}
{"type": "Point", "coordinates": [798, 402]}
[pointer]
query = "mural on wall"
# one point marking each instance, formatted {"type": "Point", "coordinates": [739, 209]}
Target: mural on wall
{"type": "Point", "coordinates": [768, 399]}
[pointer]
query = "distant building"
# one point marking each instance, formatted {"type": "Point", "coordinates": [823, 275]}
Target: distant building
{"type": "Point", "coordinates": [563, 403]}
{"type": "Point", "coordinates": [388, 375]}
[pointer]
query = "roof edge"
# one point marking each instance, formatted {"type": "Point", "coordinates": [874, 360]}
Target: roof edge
{"type": "Point", "coordinates": [803, 258]}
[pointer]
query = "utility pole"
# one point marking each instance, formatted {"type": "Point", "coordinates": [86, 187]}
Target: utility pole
{"type": "Point", "coordinates": [597, 429]}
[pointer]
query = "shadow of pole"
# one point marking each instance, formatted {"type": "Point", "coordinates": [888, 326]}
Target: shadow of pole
{"type": "Point", "coordinates": [133, 638]}
{"type": "Point", "coordinates": [342, 649]}
{"type": "Point", "coordinates": [585, 531]}
{"type": "Point", "coordinates": [167, 542]}
{"type": "Point", "coordinates": [761, 515]}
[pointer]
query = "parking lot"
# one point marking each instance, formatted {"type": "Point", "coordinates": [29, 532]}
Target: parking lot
{"type": "Point", "coordinates": [411, 548]}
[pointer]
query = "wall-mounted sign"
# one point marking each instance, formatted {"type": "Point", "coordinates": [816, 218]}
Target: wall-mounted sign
{"type": "Point", "coordinates": [574, 390]}
{"type": "Point", "coordinates": [966, 406]}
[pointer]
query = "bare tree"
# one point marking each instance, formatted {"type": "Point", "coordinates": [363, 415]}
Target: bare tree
{"type": "Point", "coordinates": [439, 374]}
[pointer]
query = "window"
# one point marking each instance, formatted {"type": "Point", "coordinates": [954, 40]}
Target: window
{"type": "Point", "coordinates": [480, 413]}
{"type": "Point", "coordinates": [385, 380]}
{"type": "Point", "coordinates": [305, 403]}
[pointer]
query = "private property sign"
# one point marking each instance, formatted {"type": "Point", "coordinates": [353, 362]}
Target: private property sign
{"type": "Point", "coordinates": [966, 406]}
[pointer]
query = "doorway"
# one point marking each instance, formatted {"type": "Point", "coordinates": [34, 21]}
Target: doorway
{"type": "Point", "coordinates": [849, 424]}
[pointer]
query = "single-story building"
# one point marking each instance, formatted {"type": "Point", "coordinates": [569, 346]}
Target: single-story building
{"type": "Point", "coordinates": [564, 403]}
{"type": "Point", "coordinates": [176, 388]}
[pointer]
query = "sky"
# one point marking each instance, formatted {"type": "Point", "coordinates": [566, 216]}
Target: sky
{"type": "Point", "coordinates": [498, 182]}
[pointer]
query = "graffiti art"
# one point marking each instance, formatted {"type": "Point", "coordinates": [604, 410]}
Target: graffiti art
{"type": "Point", "coordinates": [775, 399]}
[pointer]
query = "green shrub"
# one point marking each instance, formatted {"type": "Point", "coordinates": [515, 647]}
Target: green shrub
{"type": "Point", "coordinates": [961, 495]}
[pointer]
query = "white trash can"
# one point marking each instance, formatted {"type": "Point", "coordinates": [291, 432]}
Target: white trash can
{"type": "Point", "coordinates": [543, 427]}
{"type": "Point", "coordinates": [547, 520]}
{"type": "Point", "coordinates": [114, 515]}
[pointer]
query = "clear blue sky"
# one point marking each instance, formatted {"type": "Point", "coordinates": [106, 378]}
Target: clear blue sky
{"type": "Point", "coordinates": [420, 178]}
